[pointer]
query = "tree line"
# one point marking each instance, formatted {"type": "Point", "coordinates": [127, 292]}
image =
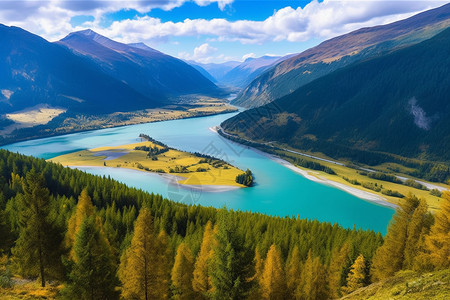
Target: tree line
{"type": "Point", "coordinates": [105, 240]}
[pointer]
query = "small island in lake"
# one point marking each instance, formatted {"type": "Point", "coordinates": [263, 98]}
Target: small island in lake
{"type": "Point", "coordinates": [153, 156]}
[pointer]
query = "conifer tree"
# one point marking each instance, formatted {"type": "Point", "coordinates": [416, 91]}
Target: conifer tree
{"type": "Point", "coordinates": [273, 283]}
{"type": "Point", "coordinates": [390, 257]}
{"type": "Point", "coordinates": [37, 250]}
{"type": "Point", "coordinates": [437, 243]}
{"type": "Point", "coordinates": [293, 273]}
{"type": "Point", "coordinates": [313, 284]}
{"type": "Point", "coordinates": [138, 264]}
{"type": "Point", "coordinates": [336, 277]}
{"type": "Point", "coordinates": [356, 277]}
{"type": "Point", "coordinates": [163, 266]}
{"type": "Point", "coordinates": [182, 273]}
{"type": "Point", "coordinates": [231, 264]}
{"type": "Point", "coordinates": [83, 209]}
{"type": "Point", "coordinates": [93, 275]}
{"type": "Point", "coordinates": [202, 279]}
{"type": "Point", "coordinates": [418, 227]}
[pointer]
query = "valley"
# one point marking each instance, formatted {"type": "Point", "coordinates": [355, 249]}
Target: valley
{"type": "Point", "coordinates": [190, 106]}
{"type": "Point", "coordinates": [224, 150]}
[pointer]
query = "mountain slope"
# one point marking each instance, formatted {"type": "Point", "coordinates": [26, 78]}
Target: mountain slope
{"type": "Point", "coordinates": [34, 71]}
{"type": "Point", "coordinates": [217, 71]}
{"type": "Point", "coordinates": [396, 103]}
{"type": "Point", "coordinates": [246, 72]}
{"type": "Point", "coordinates": [146, 70]}
{"type": "Point", "coordinates": [341, 51]}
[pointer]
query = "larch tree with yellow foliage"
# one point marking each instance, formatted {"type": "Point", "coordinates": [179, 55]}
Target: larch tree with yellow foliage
{"type": "Point", "coordinates": [83, 210]}
{"type": "Point", "coordinates": [201, 282]}
{"type": "Point", "coordinates": [137, 268]}
{"type": "Point", "coordinates": [163, 266]}
{"type": "Point", "coordinates": [357, 276]}
{"type": "Point", "coordinates": [313, 284]}
{"type": "Point", "coordinates": [339, 263]}
{"type": "Point", "coordinates": [273, 281]}
{"type": "Point", "coordinates": [400, 245]}
{"type": "Point", "coordinates": [293, 272]}
{"type": "Point", "coordinates": [182, 273]}
{"type": "Point", "coordinates": [437, 243]}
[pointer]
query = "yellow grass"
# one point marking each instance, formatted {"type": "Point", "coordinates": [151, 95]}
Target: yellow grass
{"type": "Point", "coordinates": [25, 289]}
{"type": "Point", "coordinates": [350, 173]}
{"type": "Point", "coordinates": [138, 160]}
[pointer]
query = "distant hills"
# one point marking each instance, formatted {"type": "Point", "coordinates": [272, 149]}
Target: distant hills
{"type": "Point", "coordinates": [239, 74]}
{"type": "Point", "coordinates": [395, 103]}
{"type": "Point", "coordinates": [290, 74]}
{"type": "Point", "coordinates": [88, 73]}
{"type": "Point", "coordinates": [246, 72]}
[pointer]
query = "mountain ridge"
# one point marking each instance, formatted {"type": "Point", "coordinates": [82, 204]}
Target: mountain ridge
{"type": "Point", "coordinates": [330, 55]}
{"type": "Point", "coordinates": [395, 103]}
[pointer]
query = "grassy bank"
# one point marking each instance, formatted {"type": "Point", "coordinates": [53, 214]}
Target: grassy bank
{"type": "Point", "coordinates": [186, 107]}
{"type": "Point", "coordinates": [346, 173]}
{"type": "Point", "coordinates": [407, 285]}
{"type": "Point", "coordinates": [191, 169]}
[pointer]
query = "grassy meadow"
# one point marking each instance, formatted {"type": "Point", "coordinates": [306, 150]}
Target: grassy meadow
{"type": "Point", "coordinates": [191, 169]}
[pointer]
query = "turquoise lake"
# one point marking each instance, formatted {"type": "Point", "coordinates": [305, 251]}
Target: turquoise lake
{"type": "Point", "coordinates": [278, 190]}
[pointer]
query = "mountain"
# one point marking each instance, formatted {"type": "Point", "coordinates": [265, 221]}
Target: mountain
{"type": "Point", "coordinates": [396, 103]}
{"type": "Point", "coordinates": [203, 72]}
{"type": "Point", "coordinates": [146, 70]}
{"type": "Point", "coordinates": [341, 51]}
{"type": "Point", "coordinates": [217, 71]}
{"type": "Point", "coordinates": [246, 72]}
{"type": "Point", "coordinates": [34, 71]}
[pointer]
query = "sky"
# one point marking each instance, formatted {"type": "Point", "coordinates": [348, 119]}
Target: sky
{"type": "Point", "coordinates": [209, 31]}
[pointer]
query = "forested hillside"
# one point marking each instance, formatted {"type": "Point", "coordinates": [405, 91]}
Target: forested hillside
{"type": "Point", "coordinates": [394, 104]}
{"type": "Point", "coordinates": [103, 239]}
{"type": "Point", "coordinates": [341, 51]}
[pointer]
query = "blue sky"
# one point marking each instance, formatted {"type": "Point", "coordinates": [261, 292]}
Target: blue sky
{"type": "Point", "coordinates": [209, 30]}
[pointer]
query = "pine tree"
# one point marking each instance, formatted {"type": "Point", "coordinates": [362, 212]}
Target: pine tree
{"type": "Point", "coordinates": [83, 209]}
{"type": "Point", "coordinates": [138, 264]}
{"type": "Point", "coordinates": [231, 265]}
{"type": "Point", "coordinates": [293, 272]}
{"type": "Point", "coordinates": [202, 279]}
{"type": "Point", "coordinates": [182, 273]}
{"type": "Point", "coordinates": [37, 250]}
{"type": "Point", "coordinates": [93, 275]}
{"type": "Point", "coordinates": [437, 243]}
{"type": "Point", "coordinates": [339, 261]}
{"type": "Point", "coordinates": [273, 283]}
{"type": "Point", "coordinates": [356, 277]}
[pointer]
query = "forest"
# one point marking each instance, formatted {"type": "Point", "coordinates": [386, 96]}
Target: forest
{"type": "Point", "coordinates": [103, 240]}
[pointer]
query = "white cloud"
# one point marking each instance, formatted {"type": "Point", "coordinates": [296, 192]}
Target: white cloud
{"type": "Point", "coordinates": [248, 55]}
{"type": "Point", "coordinates": [316, 20]}
{"type": "Point", "coordinates": [319, 20]}
{"type": "Point", "coordinates": [202, 53]}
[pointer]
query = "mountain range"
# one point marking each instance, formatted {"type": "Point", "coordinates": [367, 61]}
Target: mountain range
{"type": "Point", "coordinates": [88, 73]}
{"type": "Point", "coordinates": [238, 74]}
{"type": "Point", "coordinates": [294, 72]}
{"type": "Point", "coordinates": [396, 103]}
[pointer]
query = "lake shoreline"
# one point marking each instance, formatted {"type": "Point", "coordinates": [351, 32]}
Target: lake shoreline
{"type": "Point", "coordinates": [173, 180]}
{"type": "Point", "coordinates": [56, 134]}
{"type": "Point", "coordinates": [363, 195]}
